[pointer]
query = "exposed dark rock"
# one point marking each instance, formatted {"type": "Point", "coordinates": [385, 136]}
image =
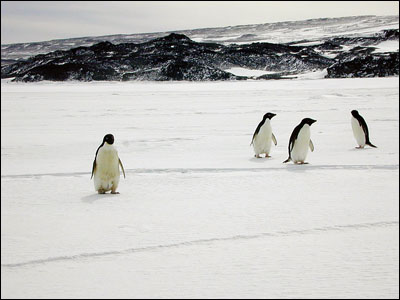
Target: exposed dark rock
{"type": "Point", "coordinates": [176, 57]}
{"type": "Point", "coordinates": [391, 34]}
{"type": "Point", "coordinates": [274, 76]}
{"type": "Point", "coordinates": [366, 66]}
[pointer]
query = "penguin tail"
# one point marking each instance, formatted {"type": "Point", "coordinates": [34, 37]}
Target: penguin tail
{"type": "Point", "coordinates": [370, 144]}
{"type": "Point", "coordinates": [289, 159]}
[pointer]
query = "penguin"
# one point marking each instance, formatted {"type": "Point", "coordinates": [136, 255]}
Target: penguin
{"type": "Point", "coordinates": [106, 167]}
{"type": "Point", "coordinates": [300, 141]}
{"type": "Point", "coordinates": [360, 130]}
{"type": "Point", "coordinates": [263, 136]}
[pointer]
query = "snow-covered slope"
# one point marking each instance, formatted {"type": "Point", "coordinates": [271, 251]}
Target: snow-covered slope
{"type": "Point", "coordinates": [198, 216]}
{"type": "Point", "coordinates": [280, 32]}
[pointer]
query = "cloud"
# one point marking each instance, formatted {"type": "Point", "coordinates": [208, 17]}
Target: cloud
{"type": "Point", "coordinates": [26, 21]}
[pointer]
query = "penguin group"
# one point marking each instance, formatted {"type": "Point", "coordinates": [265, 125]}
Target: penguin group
{"type": "Point", "coordinates": [106, 164]}
{"type": "Point", "coordinates": [300, 139]}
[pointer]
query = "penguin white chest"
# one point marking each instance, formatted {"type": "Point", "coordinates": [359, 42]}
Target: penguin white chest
{"type": "Point", "coordinates": [106, 176]}
{"type": "Point", "coordinates": [358, 132]}
{"type": "Point", "coordinates": [262, 141]}
{"type": "Point", "coordinates": [301, 144]}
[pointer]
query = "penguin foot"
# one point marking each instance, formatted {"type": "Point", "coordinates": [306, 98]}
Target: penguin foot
{"type": "Point", "coordinates": [114, 192]}
{"type": "Point", "coordinates": [101, 191]}
{"type": "Point", "coordinates": [359, 147]}
{"type": "Point", "coordinates": [267, 156]}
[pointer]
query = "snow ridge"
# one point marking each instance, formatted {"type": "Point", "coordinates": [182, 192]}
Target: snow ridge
{"type": "Point", "coordinates": [198, 242]}
{"type": "Point", "coordinates": [216, 170]}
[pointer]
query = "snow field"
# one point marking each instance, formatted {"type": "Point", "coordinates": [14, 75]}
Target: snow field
{"type": "Point", "coordinates": [198, 215]}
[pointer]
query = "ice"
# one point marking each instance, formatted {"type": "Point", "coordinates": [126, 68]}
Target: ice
{"type": "Point", "coordinates": [198, 215]}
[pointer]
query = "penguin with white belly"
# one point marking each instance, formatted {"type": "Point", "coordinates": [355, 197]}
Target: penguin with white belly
{"type": "Point", "coordinates": [360, 130]}
{"type": "Point", "coordinates": [300, 141]}
{"type": "Point", "coordinates": [106, 167]}
{"type": "Point", "coordinates": [263, 136]}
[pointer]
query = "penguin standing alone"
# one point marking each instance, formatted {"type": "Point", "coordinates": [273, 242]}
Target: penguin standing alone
{"type": "Point", "coordinates": [300, 141]}
{"type": "Point", "coordinates": [106, 167]}
{"type": "Point", "coordinates": [360, 130]}
{"type": "Point", "coordinates": [263, 136]}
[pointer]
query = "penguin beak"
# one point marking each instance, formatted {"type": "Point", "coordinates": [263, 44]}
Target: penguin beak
{"type": "Point", "coordinates": [273, 115]}
{"type": "Point", "coordinates": [313, 121]}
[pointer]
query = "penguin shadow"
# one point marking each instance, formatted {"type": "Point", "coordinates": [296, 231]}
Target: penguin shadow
{"type": "Point", "coordinates": [297, 168]}
{"type": "Point", "coordinates": [260, 160]}
{"type": "Point", "coordinates": [360, 149]}
{"type": "Point", "coordinates": [97, 197]}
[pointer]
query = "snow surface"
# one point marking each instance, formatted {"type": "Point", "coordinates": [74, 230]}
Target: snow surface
{"type": "Point", "coordinates": [238, 71]}
{"type": "Point", "coordinates": [198, 216]}
{"type": "Point", "coordinates": [285, 32]}
{"type": "Point", "coordinates": [387, 46]}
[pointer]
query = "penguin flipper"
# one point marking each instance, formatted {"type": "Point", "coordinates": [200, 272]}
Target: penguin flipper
{"type": "Point", "coordinates": [252, 140]}
{"type": "Point", "coordinates": [289, 159]}
{"type": "Point", "coordinates": [364, 127]}
{"type": "Point", "coordinates": [311, 145]}
{"type": "Point", "coordinates": [122, 167]}
{"type": "Point", "coordinates": [274, 140]}
{"type": "Point", "coordinates": [94, 162]}
{"type": "Point", "coordinates": [93, 168]}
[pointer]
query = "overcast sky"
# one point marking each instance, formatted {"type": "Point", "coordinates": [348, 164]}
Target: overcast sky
{"type": "Point", "coordinates": [32, 21]}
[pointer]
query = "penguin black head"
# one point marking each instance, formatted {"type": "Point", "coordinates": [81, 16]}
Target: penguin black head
{"type": "Point", "coordinates": [308, 121]}
{"type": "Point", "coordinates": [355, 113]}
{"type": "Point", "coordinates": [109, 138]}
{"type": "Point", "coordinates": [269, 116]}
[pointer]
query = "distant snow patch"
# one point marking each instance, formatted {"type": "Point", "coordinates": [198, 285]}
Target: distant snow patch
{"type": "Point", "coordinates": [247, 72]}
{"type": "Point", "coordinates": [387, 46]}
{"type": "Point", "coordinates": [311, 43]}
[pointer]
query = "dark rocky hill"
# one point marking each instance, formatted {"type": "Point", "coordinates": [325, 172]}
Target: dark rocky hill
{"type": "Point", "coordinates": [362, 61]}
{"type": "Point", "coordinates": [176, 57]}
